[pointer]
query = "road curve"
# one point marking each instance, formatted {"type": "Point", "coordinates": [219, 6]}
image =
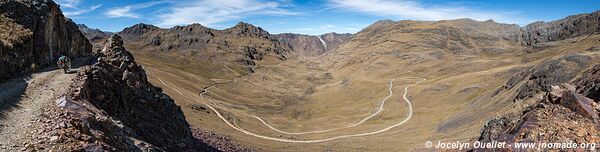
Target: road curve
{"type": "Point", "coordinates": [391, 84]}
{"type": "Point", "coordinates": [410, 109]}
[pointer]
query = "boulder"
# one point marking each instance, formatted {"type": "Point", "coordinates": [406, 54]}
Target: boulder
{"type": "Point", "coordinates": [579, 104]}
{"type": "Point", "coordinates": [122, 111]}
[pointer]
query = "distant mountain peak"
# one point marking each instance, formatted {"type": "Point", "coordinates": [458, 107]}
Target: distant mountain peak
{"type": "Point", "coordinates": [247, 29]}
{"type": "Point", "coordinates": [139, 29]}
{"type": "Point", "coordinates": [144, 25]}
{"type": "Point", "coordinates": [82, 26]}
{"type": "Point", "coordinates": [244, 25]}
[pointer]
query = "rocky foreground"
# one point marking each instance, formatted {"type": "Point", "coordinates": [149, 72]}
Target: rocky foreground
{"type": "Point", "coordinates": [567, 113]}
{"type": "Point", "coordinates": [111, 106]}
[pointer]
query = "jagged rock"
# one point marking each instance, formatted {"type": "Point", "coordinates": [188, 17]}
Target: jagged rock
{"type": "Point", "coordinates": [111, 106]}
{"type": "Point", "coordinates": [589, 83]}
{"type": "Point", "coordinates": [122, 87]}
{"type": "Point", "coordinates": [35, 32]}
{"type": "Point", "coordinates": [569, 116]}
{"type": "Point", "coordinates": [67, 103]}
{"type": "Point", "coordinates": [494, 128]}
{"type": "Point", "coordinates": [546, 123]}
{"type": "Point", "coordinates": [579, 104]}
{"type": "Point", "coordinates": [541, 77]}
{"type": "Point", "coordinates": [572, 26]}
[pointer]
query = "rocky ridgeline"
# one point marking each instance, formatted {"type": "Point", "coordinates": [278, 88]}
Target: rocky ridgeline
{"type": "Point", "coordinates": [241, 47]}
{"type": "Point", "coordinates": [534, 34]}
{"type": "Point", "coordinates": [34, 33]}
{"type": "Point", "coordinates": [112, 106]}
{"type": "Point", "coordinates": [572, 26]}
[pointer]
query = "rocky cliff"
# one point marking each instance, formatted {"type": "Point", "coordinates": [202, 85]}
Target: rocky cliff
{"type": "Point", "coordinates": [309, 45]}
{"type": "Point", "coordinates": [569, 27]}
{"type": "Point", "coordinates": [34, 33]}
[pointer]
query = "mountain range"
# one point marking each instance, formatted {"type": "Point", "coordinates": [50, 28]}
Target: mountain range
{"type": "Point", "coordinates": [392, 86]}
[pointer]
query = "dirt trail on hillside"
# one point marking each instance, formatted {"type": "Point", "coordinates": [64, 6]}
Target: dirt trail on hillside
{"type": "Point", "coordinates": [23, 100]}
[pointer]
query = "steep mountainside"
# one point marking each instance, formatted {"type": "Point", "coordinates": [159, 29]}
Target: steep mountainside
{"type": "Point", "coordinates": [569, 27]}
{"type": "Point", "coordinates": [34, 33]}
{"type": "Point", "coordinates": [308, 45]}
{"type": "Point", "coordinates": [111, 106]}
{"type": "Point", "coordinates": [238, 49]}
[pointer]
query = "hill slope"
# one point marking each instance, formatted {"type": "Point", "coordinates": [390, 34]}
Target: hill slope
{"type": "Point", "coordinates": [475, 70]}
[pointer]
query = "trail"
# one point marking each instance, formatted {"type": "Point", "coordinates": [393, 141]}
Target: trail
{"type": "Point", "coordinates": [308, 132]}
{"type": "Point", "coordinates": [22, 100]}
{"type": "Point", "coordinates": [410, 113]}
{"type": "Point", "coordinates": [379, 110]}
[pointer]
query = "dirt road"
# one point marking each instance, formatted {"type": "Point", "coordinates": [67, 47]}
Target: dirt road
{"type": "Point", "coordinates": [22, 100]}
{"type": "Point", "coordinates": [201, 96]}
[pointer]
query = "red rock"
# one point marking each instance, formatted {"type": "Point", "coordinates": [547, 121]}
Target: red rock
{"type": "Point", "coordinates": [579, 104]}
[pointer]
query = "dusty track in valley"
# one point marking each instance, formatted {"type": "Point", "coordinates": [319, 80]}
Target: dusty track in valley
{"type": "Point", "coordinates": [410, 113]}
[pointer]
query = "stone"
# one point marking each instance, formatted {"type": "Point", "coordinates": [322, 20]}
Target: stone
{"type": "Point", "coordinates": [53, 138]}
{"type": "Point", "coordinates": [579, 104]}
{"type": "Point", "coordinates": [581, 133]}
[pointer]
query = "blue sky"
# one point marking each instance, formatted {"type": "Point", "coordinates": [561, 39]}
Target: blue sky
{"type": "Point", "coordinates": [311, 17]}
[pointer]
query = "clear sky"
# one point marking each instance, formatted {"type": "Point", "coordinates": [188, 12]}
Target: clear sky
{"type": "Point", "coordinates": [311, 17]}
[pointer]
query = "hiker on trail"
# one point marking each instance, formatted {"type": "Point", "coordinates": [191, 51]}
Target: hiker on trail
{"type": "Point", "coordinates": [65, 63]}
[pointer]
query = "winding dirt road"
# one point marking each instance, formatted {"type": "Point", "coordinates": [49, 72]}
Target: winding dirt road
{"type": "Point", "coordinates": [22, 100]}
{"type": "Point", "coordinates": [379, 110]}
{"type": "Point", "coordinates": [410, 112]}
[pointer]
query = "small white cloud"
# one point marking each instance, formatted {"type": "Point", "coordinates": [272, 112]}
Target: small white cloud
{"type": "Point", "coordinates": [121, 12]}
{"type": "Point", "coordinates": [68, 3]}
{"type": "Point", "coordinates": [318, 30]}
{"type": "Point", "coordinates": [412, 9]}
{"type": "Point", "coordinates": [79, 11]}
{"type": "Point", "coordinates": [129, 11]}
{"type": "Point", "coordinates": [210, 12]}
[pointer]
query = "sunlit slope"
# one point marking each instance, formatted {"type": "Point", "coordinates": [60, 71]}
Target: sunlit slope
{"type": "Point", "coordinates": [469, 66]}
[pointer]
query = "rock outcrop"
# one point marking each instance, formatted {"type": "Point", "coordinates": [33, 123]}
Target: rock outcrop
{"type": "Point", "coordinates": [589, 83]}
{"type": "Point", "coordinates": [541, 77]}
{"type": "Point", "coordinates": [569, 27]}
{"type": "Point", "coordinates": [34, 33]}
{"type": "Point", "coordinates": [112, 106]}
{"type": "Point", "coordinates": [564, 115]}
